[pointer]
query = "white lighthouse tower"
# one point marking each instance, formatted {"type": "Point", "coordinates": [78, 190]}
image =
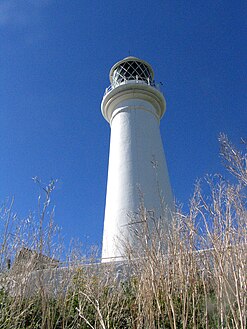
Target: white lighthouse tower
{"type": "Point", "coordinates": [133, 106]}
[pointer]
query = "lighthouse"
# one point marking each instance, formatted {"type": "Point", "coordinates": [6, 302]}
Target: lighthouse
{"type": "Point", "coordinates": [137, 170]}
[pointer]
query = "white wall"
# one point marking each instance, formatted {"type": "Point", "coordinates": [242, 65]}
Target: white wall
{"type": "Point", "coordinates": [136, 162]}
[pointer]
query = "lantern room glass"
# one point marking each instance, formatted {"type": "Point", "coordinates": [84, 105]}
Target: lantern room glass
{"type": "Point", "coordinates": [131, 70]}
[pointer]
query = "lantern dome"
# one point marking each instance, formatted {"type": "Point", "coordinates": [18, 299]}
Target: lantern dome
{"type": "Point", "coordinates": [131, 68]}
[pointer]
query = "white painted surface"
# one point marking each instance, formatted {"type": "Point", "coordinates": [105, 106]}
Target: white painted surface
{"type": "Point", "coordinates": [136, 161]}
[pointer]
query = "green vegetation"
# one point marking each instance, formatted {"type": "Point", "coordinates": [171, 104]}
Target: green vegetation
{"type": "Point", "coordinates": [199, 282]}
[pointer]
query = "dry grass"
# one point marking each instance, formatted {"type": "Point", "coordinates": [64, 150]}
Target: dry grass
{"type": "Point", "coordinates": [188, 274]}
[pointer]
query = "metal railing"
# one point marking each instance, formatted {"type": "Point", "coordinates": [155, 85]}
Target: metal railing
{"type": "Point", "coordinates": [136, 81]}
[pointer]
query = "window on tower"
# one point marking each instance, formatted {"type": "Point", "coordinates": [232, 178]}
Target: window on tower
{"type": "Point", "coordinates": [132, 70]}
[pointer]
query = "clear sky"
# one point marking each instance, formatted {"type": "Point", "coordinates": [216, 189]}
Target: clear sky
{"type": "Point", "coordinates": [55, 57]}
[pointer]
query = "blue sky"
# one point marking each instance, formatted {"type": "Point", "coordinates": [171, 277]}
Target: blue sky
{"type": "Point", "coordinates": [55, 58]}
